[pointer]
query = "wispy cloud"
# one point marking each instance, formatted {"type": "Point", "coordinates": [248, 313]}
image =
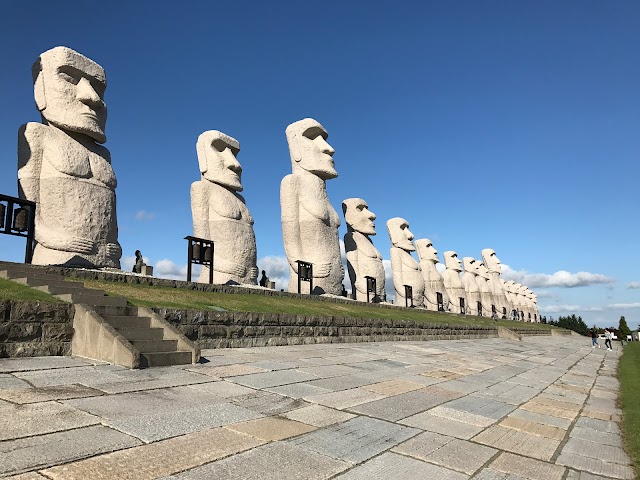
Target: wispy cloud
{"type": "Point", "coordinates": [634, 285]}
{"type": "Point", "coordinates": [166, 268]}
{"type": "Point", "coordinates": [277, 269]}
{"type": "Point", "coordinates": [144, 216]}
{"type": "Point", "coordinates": [560, 279]}
{"type": "Point", "coordinates": [564, 308]}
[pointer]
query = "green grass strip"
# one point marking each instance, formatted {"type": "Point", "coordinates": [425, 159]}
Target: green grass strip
{"type": "Point", "coordinates": [15, 291]}
{"type": "Point", "coordinates": [629, 400]}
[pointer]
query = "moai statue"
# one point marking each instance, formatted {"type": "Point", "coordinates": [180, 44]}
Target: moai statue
{"type": "Point", "coordinates": [453, 283]}
{"type": "Point", "coordinates": [534, 303]}
{"type": "Point", "coordinates": [220, 213]}
{"type": "Point", "coordinates": [527, 304]}
{"type": "Point", "coordinates": [406, 271]}
{"type": "Point", "coordinates": [435, 294]}
{"type": "Point", "coordinates": [474, 301]}
{"type": "Point", "coordinates": [511, 292]}
{"type": "Point", "coordinates": [482, 280]}
{"type": "Point", "coordinates": [309, 222]}
{"type": "Point", "coordinates": [62, 167]}
{"type": "Point", "coordinates": [492, 263]}
{"type": "Point", "coordinates": [363, 259]}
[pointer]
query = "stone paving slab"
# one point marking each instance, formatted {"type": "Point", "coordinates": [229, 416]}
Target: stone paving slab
{"type": "Point", "coordinates": [526, 467]}
{"type": "Point", "coordinates": [9, 381]}
{"type": "Point", "coordinates": [267, 403]}
{"type": "Point", "coordinates": [157, 459]}
{"type": "Point", "coordinates": [517, 441]}
{"type": "Point", "coordinates": [596, 466]}
{"type": "Point", "coordinates": [42, 363]}
{"type": "Point", "coordinates": [345, 398]}
{"type": "Point", "coordinates": [271, 428]}
{"type": "Point", "coordinates": [422, 445]}
{"type": "Point", "coordinates": [393, 387]}
{"type": "Point", "coordinates": [298, 390]}
{"type": "Point", "coordinates": [18, 421]}
{"type": "Point", "coordinates": [549, 420]}
{"type": "Point", "coordinates": [590, 449]}
{"type": "Point", "coordinates": [272, 379]}
{"type": "Point", "coordinates": [45, 394]}
{"type": "Point", "coordinates": [275, 461]}
{"type": "Point", "coordinates": [393, 466]}
{"type": "Point", "coordinates": [461, 455]}
{"type": "Point", "coordinates": [534, 428]}
{"type": "Point", "coordinates": [355, 440]}
{"type": "Point", "coordinates": [592, 435]}
{"type": "Point", "coordinates": [445, 426]}
{"type": "Point", "coordinates": [227, 370]}
{"type": "Point", "coordinates": [318, 415]}
{"type": "Point", "coordinates": [26, 476]}
{"type": "Point", "coordinates": [60, 447]}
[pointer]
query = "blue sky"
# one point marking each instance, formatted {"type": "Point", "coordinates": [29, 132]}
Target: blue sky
{"type": "Point", "coordinates": [494, 124]}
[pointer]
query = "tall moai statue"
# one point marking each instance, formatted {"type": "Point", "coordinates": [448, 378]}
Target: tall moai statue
{"type": "Point", "coordinates": [220, 213]}
{"type": "Point", "coordinates": [492, 263]}
{"type": "Point", "coordinates": [534, 305]}
{"type": "Point", "coordinates": [63, 168]}
{"type": "Point", "coordinates": [511, 293]}
{"type": "Point", "coordinates": [363, 259]}
{"type": "Point", "coordinates": [453, 283]}
{"type": "Point", "coordinates": [406, 271]}
{"type": "Point", "coordinates": [435, 294]}
{"type": "Point", "coordinates": [471, 288]}
{"type": "Point", "coordinates": [309, 222]}
{"type": "Point", "coordinates": [482, 280]}
{"type": "Point", "coordinates": [527, 304]}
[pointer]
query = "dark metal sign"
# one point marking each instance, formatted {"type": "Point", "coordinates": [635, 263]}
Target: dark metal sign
{"type": "Point", "coordinates": [17, 218]}
{"type": "Point", "coordinates": [200, 253]}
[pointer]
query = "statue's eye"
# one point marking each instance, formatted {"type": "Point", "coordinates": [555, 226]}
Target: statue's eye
{"type": "Point", "coordinates": [69, 78]}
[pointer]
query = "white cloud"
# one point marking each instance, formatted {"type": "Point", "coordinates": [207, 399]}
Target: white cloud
{"type": "Point", "coordinates": [634, 285]}
{"type": "Point", "coordinates": [625, 306]}
{"type": "Point", "coordinates": [594, 308]}
{"type": "Point", "coordinates": [277, 269]}
{"type": "Point", "coordinates": [560, 279]}
{"type": "Point", "coordinates": [440, 267]}
{"type": "Point", "coordinates": [144, 216]}
{"type": "Point", "coordinates": [166, 268]}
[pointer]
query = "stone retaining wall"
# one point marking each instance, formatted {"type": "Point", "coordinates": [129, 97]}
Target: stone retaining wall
{"type": "Point", "coordinates": [529, 332]}
{"type": "Point", "coordinates": [33, 329]}
{"type": "Point", "coordinates": [212, 329]}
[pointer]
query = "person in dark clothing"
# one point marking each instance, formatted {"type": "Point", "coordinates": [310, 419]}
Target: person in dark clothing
{"type": "Point", "coordinates": [594, 338]}
{"type": "Point", "coordinates": [264, 279]}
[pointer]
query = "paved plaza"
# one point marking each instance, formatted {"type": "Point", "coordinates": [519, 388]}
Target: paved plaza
{"type": "Point", "coordinates": [543, 408]}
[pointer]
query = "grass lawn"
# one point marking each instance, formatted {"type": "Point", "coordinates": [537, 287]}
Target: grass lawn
{"type": "Point", "coordinates": [152, 296]}
{"type": "Point", "coordinates": [629, 400]}
{"type": "Point", "coordinates": [14, 291]}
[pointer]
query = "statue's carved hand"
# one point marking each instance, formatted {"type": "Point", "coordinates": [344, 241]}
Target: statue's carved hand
{"type": "Point", "coordinates": [114, 250]}
{"type": "Point", "coordinates": [321, 270]}
{"type": "Point", "coordinates": [253, 272]}
{"type": "Point", "coordinates": [238, 270]}
{"type": "Point", "coordinates": [80, 245]}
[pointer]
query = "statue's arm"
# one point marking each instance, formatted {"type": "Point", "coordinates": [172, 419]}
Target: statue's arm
{"type": "Point", "coordinates": [200, 210]}
{"type": "Point", "coordinates": [30, 139]}
{"type": "Point", "coordinates": [56, 240]}
{"type": "Point", "coordinates": [290, 217]}
{"type": "Point", "coordinates": [396, 269]}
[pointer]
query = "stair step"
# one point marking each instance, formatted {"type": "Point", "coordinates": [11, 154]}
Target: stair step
{"type": "Point", "coordinates": [73, 289]}
{"type": "Point", "coordinates": [11, 274]}
{"type": "Point", "coordinates": [159, 359]}
{"type": "Point", "coordinates": [38, 282]}
{"type": "Point", "coordinates": [93, 299]}
{"type": "Point", "coordinates": [155, 346]}
{"type": "Point", "coordinates": [127, 321]}
{"type": "Point", "coordinates": [132, 333]}
{"type": "Point", "coordinates": [111, 310]}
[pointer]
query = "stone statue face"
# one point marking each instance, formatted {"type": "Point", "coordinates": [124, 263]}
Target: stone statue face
{"type": "Point", "coordinates": [358, 216]}
{"type": "Point", "coordinates": [491, 261]}
{"type": "Point", "coordinates": [217, 159]}
{"type": "Point", "coordinates": [400, 234]}
{"type": "Point", "coordinates": [470, 265]}
{"type": "Point", "coordinates": [426, 250]}
{"type": "Point", "coordinates": [482, 271]}
{"type": "Point", "coordinates": [309, 148]}
{"type": "Point", "coordinates": [451, 261]}
{"type": "Point", "coordinates": [69, 92]}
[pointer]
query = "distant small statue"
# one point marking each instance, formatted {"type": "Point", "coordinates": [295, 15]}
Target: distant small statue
{"type": "Point", "coordinates": [264, 279]}
{"type": "Point", "coordinates": [137, 268]}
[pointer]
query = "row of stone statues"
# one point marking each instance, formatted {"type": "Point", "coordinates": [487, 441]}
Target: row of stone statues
{"type": "Point", "coordinates": [63, 167]}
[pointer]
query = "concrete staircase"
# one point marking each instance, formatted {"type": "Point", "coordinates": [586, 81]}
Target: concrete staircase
{"type": "Point", "coordinates": [105, 327]}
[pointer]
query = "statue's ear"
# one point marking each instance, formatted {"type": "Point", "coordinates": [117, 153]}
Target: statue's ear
{"type": "Point", "coordinates": [202, 156]}
{"type": "Point", "coordinates": [296, 154]}
{"type": "Point", "coordinates": [38, 92]}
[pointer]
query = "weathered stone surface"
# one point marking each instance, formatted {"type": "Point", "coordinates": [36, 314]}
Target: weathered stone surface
{"type": "Point", "coordinates": [267, 403]}
{"type": "Point", "coordinates": [318, 415]}
{"type": "Point", "coordinates": [527, 467]}
{"type": "Point", "coordinates": [391, 465]}
{"type": "Point", "coordinates": [534, 428]}
{"type": "Point", "coordinates": [62, 159]}
{"type": "Point", "coordinates": [32, 364]}
{"type": "Point", "coordinates": [220, 212]}
{"type": "Point", "coordinates": [406, 270]}
{"type": "Point", "coordinates": [445, 426]}
{"type": "Point", "coordinates": [344, 398]}
{"type": "Point", "coordinates": [309, 222]}
{"type": "Point", "coordinates": [422, 445]}
{"type": "Point", "coordinates": [596, 466]}
{"type": "Point", "coordinates": [274, 461]}
{"type": "Point", "coordinates": [157, 459]}
{"type": "Point", "coordinates": [45, 394]}
{"type": "Point", "coordinates": [272, 379]}
{"type": "Point", "coordinates": [17, 421]}
{"type": "Point", "coordinates": [590, 449]}
{"type": "Point", "coordinates": [298, 390]}
{"type": "Point", "coordinates": [337, 441]}
{"type": "Point", "coordinates": [54, 448]}
{"type": "Point", "coordinates": [517, 441]}
{"type": "Point", "coordinates": [393, 387]}
{"type": "Point", "coordinates": [461, 455]}
{"type": "Point", "coordinates": [271, 428]}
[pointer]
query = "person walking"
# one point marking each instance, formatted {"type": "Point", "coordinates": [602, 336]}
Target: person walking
{"type": "Point", "coordinates": [607, 341]}
{"type": "Point", "coordinates": [594, 338]}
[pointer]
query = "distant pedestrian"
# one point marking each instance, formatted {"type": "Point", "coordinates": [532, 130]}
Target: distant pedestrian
{"type": "Point", "coordinates": [594, 338]}
{"type": "Point", "coordinates": [607, 341]}
{"type": "Point", "coordinates": [264, 279]}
